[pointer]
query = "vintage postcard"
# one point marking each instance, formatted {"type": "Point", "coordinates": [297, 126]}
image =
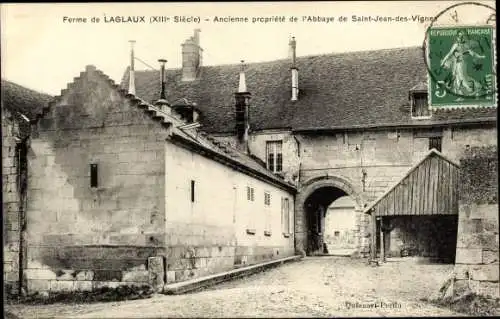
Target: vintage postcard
{"type": "Point", "coordinates": [249, 159]}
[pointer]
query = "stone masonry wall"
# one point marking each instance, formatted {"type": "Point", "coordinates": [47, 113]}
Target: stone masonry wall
{"type": "Point", "coordinates": [371, 162]}
{"type": "Point", "coordinates": [10, 203]}
{"type": "Point", "coordinates": [82, 237]}
{"type": "Point", "coordinates": [477, 254]}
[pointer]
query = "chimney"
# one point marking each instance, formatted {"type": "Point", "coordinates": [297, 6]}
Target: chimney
{"type": "Point", "coordinates": [295, 70]}
{"type": "Point", "coordinates": [191, 57]}
{"type": "Point", "coordinates": [131, 81]}
{"type": "Point", "coordinates": [242, 86]}
{"type": "Point", "coordinates": [242, 125]}
{"type": "Point", "coordinates": [162, 103]}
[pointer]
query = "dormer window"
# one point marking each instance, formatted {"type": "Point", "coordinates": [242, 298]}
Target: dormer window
{"type": "Point", "coordinates": [420, 105]}
{"type": "Point", "coordinates": [419, 101]}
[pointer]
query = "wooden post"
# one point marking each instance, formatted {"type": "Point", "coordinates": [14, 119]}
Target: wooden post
{"type": "Point", "coordinates": [373, 250]}
{"type": "Point", "coordinates": [382, 256]}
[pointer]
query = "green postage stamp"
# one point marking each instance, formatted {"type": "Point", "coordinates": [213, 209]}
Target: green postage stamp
{"type": "Point", "coordinates": [461, 66]}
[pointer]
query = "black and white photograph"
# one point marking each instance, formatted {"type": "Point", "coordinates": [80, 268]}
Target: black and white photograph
{"type": "Point", "coordinates": [249, 159]}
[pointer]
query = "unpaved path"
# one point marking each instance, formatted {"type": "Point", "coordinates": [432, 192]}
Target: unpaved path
{"type": "Point", "coordinates": [313, 287]}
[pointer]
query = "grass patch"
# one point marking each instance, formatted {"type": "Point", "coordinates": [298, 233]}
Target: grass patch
{"type": "Point", "coordinates": [104, 294]}
{"type": "Point", "coordinates": [470, 304]}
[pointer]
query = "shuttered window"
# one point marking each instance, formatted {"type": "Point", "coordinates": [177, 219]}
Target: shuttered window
{"type": "Point", "coordinates": [285, 215]}
{"type": "Point", "coordinates": [250, 193]}
{"type": "Point", "coordinates": [435, 142]}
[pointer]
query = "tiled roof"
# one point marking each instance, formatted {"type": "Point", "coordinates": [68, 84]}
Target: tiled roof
{"type": "Point", "coordinates": [193, 135]}
{"type": "Point", "coordinates": [347, 90]}
{"type": "Point", "coordinates": [20, 99]}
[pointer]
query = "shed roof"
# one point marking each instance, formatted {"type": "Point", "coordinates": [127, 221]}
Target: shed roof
{"type": "Point", "coordinates": [422, 189]}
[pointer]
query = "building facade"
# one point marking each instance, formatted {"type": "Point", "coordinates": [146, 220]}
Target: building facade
{"type": "Point", "coordinates": [334, 125]}
{"type": "Point", "coordinates": [121, 191]}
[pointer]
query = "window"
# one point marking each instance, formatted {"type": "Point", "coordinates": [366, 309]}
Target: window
{"type": "Point", "coordinates": [435, 142]}
{"type": "Point", "coordinates": [267, 199]}
{"type": "Point", "coordinates": [250, 193]}
{"type": "Point", "coordinates": [274, 156]}
{"type": "Point", "coordinates": [267, 211]}
{"type": "Point", "coordinates": [251, 217]}
{"type": "Point", "coordinates": [285, 215]}
{"type": "Point", "coordinates": [420, 105]}
{"type": "Point", "coordinates": [192, 191]}
{"type": "Point", "coordinates": [93, 175]}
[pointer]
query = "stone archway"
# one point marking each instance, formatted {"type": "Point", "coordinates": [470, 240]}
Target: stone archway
{"type": "Point", "coordinates": [314, 197]}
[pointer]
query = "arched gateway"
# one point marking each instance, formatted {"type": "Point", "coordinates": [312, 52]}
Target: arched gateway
{"type": "Point", "coordinates": [312, 202]}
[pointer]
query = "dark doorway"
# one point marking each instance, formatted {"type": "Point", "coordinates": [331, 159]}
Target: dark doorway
{"type": "Point", "coordinates": [432, 236]}
{"type": "Point", "coordinates": [316, 207]}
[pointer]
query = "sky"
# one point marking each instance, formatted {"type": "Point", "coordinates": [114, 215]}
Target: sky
{"type": "Point", "coordinates": [42, 50]}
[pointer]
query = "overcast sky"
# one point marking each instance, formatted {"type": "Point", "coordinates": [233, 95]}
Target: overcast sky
{"type": "Point", "coordinates": [42, 52]}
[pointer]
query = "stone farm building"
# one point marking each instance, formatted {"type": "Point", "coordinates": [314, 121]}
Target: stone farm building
{"type": "Point", "coordinates": [120, 191]}
{"type": "Point", "coordinates": [179, 173]}
{"type": "Point", "coordinates": [351, 124]}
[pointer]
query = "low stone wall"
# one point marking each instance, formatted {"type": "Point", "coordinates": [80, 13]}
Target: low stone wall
{"type": "Point", "coordinates": [90, 267]}
{"type": "Point", "coordinates": [188, 262]}
{"type": "Point", "coordinates": [86, 268]}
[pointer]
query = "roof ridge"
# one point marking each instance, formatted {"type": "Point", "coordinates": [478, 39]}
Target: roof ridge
{"type": "Point", "coordinates": [248, 64]}
{"type": "Point", "coordinates": [5, 81]}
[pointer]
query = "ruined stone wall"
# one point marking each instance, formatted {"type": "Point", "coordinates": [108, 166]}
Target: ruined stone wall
{"type": "Point", "coordinates": [82, 237]}
{"type": "Point", "coordinates": [10, 203]}
{"type": "Point", "coordinates": [477, 253]}
{"type": "Point", "coordinates": [219, 228]}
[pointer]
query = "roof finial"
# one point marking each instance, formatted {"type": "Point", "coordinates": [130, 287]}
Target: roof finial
{"type": "Point", "coordinates": [131, 83]}
{"type": "Point", "coordinates": [242, 88]}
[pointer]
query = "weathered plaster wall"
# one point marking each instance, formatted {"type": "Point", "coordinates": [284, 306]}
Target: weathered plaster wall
{"type": "Point", "coordinates": [10, 203]}
{"type": "Point", "coordinates": [209, 234]}
{"type": "Point", "coordinates": [477, 252]}
{"type": "Point", "coordinates": [457, 141]}
{"type": "Point", "coordinates": [80, 237]}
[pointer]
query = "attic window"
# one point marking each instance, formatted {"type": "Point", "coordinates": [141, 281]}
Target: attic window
{"type": "Point", "coordinates": [419, 105]}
